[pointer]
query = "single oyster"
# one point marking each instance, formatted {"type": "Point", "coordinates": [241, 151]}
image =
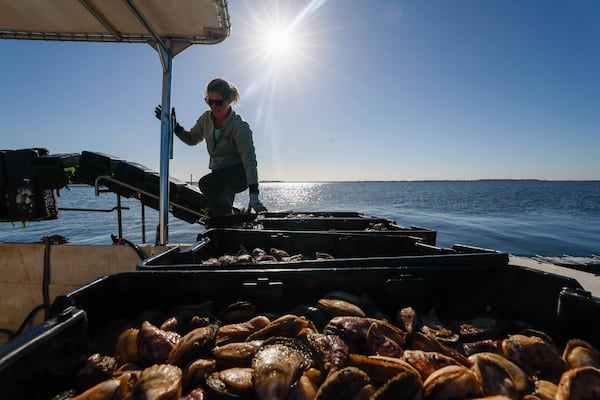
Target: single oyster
{"type": "Point", "coordinates": [498, 375]}
{"type": "Point", "coordinates": [126, 348]}
{"type": "Point", "coordinates": [193, 344]}
{"type": "Point", "coordinates": [237, 354]}
{"type": "Point", "coordinates": [331, 350]}
{"type": "Point", "coordinates": [451, 382]}
{"type": "Point", "coordinates": [535, 355]}
{"type": "Point", "coordinates": [580, 384]}
{"type": "Point", "coordinates": [154, 344]}
{"type": "Point", "coordinates": [240, 331]}
{"type": "Point", "coordinates": [337, 307]}
{"type": "Point", "coordinates": [196, 372]}
{"type": "Point", "coordinates": [161, 382]}
{"type": "Point", "coordinates": [231, 382]}
{"type": "Point", "coordinates": [406, 385]}
{"type": "Point", "coordinates": [380, 368]}
{"type": "Point", "coordinates": [579, 353]}
{"type": "Point", "coordinates": [288, 325]}
{"type": "Point", "coordinates": [96, 369]}
{"type": "Point", "coordinates": [346, 383]}
{"type": "Point", "coordinates": [544, 390]}
{"type": "Point", "coordinates": [378, 343]}
{"type": "Point", "coordinates": [277, 365]}
{"type": "Point", "coordinates": [103, 390]}
{"type": "Point", "coordinates": [237, 312]}
{"type": "Point", "coordinates": [426, 362]}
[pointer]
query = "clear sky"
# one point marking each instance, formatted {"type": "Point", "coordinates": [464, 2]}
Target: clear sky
{"type": "Point", "coordinates": [339, 90]}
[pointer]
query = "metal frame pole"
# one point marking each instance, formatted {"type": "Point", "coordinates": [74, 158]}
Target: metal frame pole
{"type": "Point", "coordinates": [166, 141]}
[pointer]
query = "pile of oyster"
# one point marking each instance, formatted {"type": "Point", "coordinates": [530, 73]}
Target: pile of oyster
{"type": "Point", "coordinates": [339, 348]}
{"type": "Point", "coordinates": [259, 255]}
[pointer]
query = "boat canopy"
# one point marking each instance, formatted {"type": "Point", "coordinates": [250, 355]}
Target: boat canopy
{"type": "Point", "coordinates": [184, 22]}
{"type": "Point", "coordinates": [170, 26]}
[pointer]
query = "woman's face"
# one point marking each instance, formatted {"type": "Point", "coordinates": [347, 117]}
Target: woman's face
{"type": "Point", "coordinates": [218, 105]}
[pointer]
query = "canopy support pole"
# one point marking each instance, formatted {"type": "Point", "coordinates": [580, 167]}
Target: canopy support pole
{"type": "Point", "coordinates": [166, 142]}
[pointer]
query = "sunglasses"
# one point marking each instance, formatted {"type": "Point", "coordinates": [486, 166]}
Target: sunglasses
{"type": "Point", "coordinates": [219, 102]}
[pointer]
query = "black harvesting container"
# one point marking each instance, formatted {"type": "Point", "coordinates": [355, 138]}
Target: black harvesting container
{"type": "Point", "coordinates": [44, 361]}
{"type": "Point", "coordinates": [348, 249]}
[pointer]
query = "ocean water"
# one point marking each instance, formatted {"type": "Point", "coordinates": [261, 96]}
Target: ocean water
{"type": "Point", "coordinates": [519, 217]}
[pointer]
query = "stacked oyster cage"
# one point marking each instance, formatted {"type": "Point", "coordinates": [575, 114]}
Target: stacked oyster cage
{"type": "Point", "coordinates": [29, 183]}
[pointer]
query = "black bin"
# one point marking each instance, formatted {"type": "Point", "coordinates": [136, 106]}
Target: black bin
{"type": "Point", "coordinates": [44, 361]}
{"type": "Point", "coordinates": [94, 164]}
{"type": "Point", "coordinates": [347, 249]}
{"type": "Point", "coordinates": [132, 174]}
{"type": "Point", "coordinates": [55, 171]}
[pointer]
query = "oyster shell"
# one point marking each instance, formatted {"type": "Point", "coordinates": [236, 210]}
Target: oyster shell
{"type": "Point", "coordinates": [426, 362]}
{"type": "Point", "coordinates": [196, 372]}
{"type": "Point", "coordinates": [240, 331]}
{"type": "Point", "coordinates": [451, 382]}
{"type": "Point", "coordinates": [331, 350]}
{"type": "Point", "coordinates": [419, 341]}
{"type": "Point", "coordinates": [404, 386]}
{"type": "Point", "coordinates": [380, 369]}
{"type": "Point", "coordinates": [154, 344]}
{"type": "Point", "coordinates": [96, 369]}
{"type": "Point", "coordinates": [498, 375]}
{"type": "Point", "coordinates": [579, 353]}
{"type": "Point", "coordinates": [346, 383]}
{"type": "Point", "coordinates": [338, 307]}
{"type": "Point", "coordinates": [231, 382]}
{"type": "Point", "coordinates": [126, 349]}
{"type": "Point", "coordinates": [544, 390]}
{"type": "Point", "coordinates": [579, 384]}
{"type": "Point", "coordinates": [237, 354]}
{"type": "Point", "coordinates": [193, 344]}
{"type": "Point", "coordinates": [277, 365]}
{"type": "Point", "coordinates": [378, 343]}
{"type": "Point", "coordinates": [535, 355]}
{"type": "Point", "coordinates": [237, 312]}
{"type": "Point", "coordinates": [103, 390]}
{"type": "Point", "coordinates": [161, 382]}
{"type": "Point", "coordinates": [288, 325]}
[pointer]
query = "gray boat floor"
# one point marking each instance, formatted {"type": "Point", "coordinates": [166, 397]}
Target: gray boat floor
{"type": "Point", "coordinates": [590, 279]}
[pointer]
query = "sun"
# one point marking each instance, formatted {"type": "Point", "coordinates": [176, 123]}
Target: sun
{"type": "Point", "coordinates": [278, 43]}
{"type": "Point", "coordinates": [280, 40]}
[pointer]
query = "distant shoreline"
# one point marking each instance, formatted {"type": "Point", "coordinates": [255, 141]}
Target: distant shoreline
{"type": "Point", "coordinates": [440, 180]}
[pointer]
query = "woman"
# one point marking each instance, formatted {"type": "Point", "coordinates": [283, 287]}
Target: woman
{"type": "Point", "coordinates": [230, 147]}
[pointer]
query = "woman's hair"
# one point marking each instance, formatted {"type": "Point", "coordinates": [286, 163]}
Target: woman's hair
{"type": "Point", "coordinates": [226, 89]}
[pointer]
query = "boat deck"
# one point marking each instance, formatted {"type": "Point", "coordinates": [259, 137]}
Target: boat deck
{"type": "Point", "coordinates": [589, 280]}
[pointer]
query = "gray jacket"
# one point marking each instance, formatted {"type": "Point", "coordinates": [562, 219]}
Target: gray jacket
{"type": "Point", "coordinates": [235, 145]}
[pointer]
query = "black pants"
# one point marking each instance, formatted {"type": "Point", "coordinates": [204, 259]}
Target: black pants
{"type": "Point", "coordinates": [220, 187]}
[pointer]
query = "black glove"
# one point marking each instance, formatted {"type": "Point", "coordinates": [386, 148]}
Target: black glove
{"type": "Point", "coordinates": [178, 128]}
{"type": "Point", "coordinates": [158, 113]}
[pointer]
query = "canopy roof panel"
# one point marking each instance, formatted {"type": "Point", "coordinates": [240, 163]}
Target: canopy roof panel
{"type": "Point", "coordinates": [184, 22]}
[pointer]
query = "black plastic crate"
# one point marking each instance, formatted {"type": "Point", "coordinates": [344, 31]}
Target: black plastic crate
{"type": "Point", "coordinates": [28, 203]}
{"type": "Point", "coordinates": [187, 197]}
{"type": "Point", "coordinates": [132, 174]}
{"type": "Point", "coordinates": [151, 185]}
{"type": "Point", "coordinates": [44, 361]}
{"type": "Point", "coordinates": [55, 171]}
{"type": "Point", "coordinates": [19, 165]}
{"type": "Point", "coordinates": [322, 221]}
{"type": "Point", "coordinates": [347, 249]}
{"type": "Point", "coordinates": [93, 165]}
{"type": "Point", "coordinates": [311, 214]}
{"type": "Point", "coordinates": [365, 224]}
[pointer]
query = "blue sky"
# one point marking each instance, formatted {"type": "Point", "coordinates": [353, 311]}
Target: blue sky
{"type": "Point", "coordinates": [359, 90]}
